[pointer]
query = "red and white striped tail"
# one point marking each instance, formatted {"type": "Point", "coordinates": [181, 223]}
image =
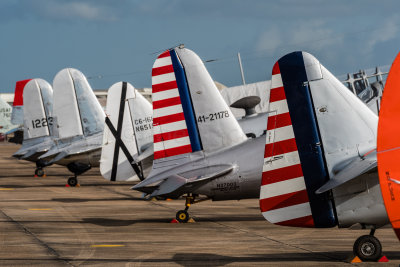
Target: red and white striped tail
{"type": "Point", "coordinates": [283, 197]}
{"type": "Point", "coordinates": [171, 136]}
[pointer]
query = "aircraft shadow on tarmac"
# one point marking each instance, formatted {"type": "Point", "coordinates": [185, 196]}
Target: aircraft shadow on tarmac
{"type": "Point", "coordinates": [208, 259]}
{"type": "Point", "coordinates": [116, 222]}
{"type": "Point", "coordinates": [190, 259]}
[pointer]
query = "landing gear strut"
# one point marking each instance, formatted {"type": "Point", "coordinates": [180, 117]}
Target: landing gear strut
{"type": "Point", "coordinates": [368, 247]}
{"type": "Point", "coordinates": [182, 216]}
{"type": "Point", "coordinates": [39, 172]}
{"type": "Point", "coordinates": [77, 168]}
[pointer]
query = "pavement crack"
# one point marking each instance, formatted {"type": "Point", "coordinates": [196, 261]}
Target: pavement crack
{"type": "Point", "coordinates": [276, 241]}
{"type": "Point", "coordinates": [37, 239]}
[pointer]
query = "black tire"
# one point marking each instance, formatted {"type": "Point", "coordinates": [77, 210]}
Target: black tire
{"type": "Point", "coordinates": [182, 216]}
{"type": "Point", "coordinates": [368, 248]}
{"type": "Point", "coordinates": [39, 172]}
{"type": "Point", "coordinates": [72, 181]}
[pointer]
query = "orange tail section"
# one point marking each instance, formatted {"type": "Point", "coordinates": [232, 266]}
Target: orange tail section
{"type": "Point", "coordinates": [388, 146]}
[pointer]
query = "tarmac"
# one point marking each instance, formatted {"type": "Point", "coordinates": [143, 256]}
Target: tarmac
{"type": "Point", "coordinates": [45, 223]}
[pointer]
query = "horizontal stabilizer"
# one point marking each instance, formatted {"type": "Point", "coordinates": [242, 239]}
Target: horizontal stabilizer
{"type": "Point", "coordinates": [28, 154]}
{"type": "Point", "coordinates": [355, 168]}
{"type": "Point", "coordinates": [175, 184]}
{"type": "Point", "coordinates": [59, 156]}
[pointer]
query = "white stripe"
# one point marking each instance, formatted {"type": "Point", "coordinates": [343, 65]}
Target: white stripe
{"type": "Point", "coordinates": [165, 94]}
{"type": "Point", "coordinates": [280, 134]}
{"type": "Point", "coordinates": [170, 127]}
{"type": "Point", "coordinates": [160, 112]}
{"type": "Point", "coordinates": [282, 188]}
{"type": "Point", "coordinates": [163, 78]}
{"type": "Point", "coordinates": [276, 81]}
{"type": "Point", "coordinates": [288, 213]}
{"type": "Point", "coordinates": [279, 107]}
{"type": "Point", "coordinates": [281, 161]}
{"type": "Point", "coordinates": [161, 62]}
{"type": "Point", "coordinates": [178, 142]}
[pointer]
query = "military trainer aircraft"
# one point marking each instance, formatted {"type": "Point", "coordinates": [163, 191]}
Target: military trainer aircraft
{"type": "Point", "coordinates": [78, 124]}
{"type": "Point", "coordinates": [38, 122]}
{"type": "Point", "coordinates": [320, 162]}
{"type": "Point", "coordinates": [199, 146]}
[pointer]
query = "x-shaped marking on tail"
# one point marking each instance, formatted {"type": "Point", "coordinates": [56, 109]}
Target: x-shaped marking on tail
{"type": "Point", "coordinates": [118, 141]}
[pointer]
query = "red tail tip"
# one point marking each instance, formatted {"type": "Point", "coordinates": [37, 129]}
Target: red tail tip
{"type": "Point", "coordinates": [275, 69]}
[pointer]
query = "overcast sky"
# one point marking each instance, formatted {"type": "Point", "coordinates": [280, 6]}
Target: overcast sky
{"type": "Point", "coordinates": [110, 41]}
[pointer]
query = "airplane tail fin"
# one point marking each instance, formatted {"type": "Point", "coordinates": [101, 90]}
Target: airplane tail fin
{"type": "Point", "coordinates": [388, 147]}
{"type": "Point", "coordinates": [127, 135]}
{"type": "Point", "coordinates": [76, 108]}
{"type": "Point", "coordinates": [315, 125]}
{"type": "Point", "coordinates": [17, 115]}
{"type": "Point", "coordinates": [189, 113]}
{"type": "Point", "coordinates": [38, 111]}
{"type": "Point", "coordinates": [5, 117]}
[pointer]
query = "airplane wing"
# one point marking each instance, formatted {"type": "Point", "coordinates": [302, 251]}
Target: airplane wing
{"type": "Point", "coordinates": [173, 185]}
{"type": "Point", "coordinates": [353, 169]}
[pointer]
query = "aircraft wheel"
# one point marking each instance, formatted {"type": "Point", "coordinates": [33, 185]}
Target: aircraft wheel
{"type": "Point", "coordinates": [72, 181]}
{"type": "Point", "coordinates": [39, 172]}
{"type": "Point", "coordinates": [182, 216]}
{"type": "Point", "coordinates": [368, 248]}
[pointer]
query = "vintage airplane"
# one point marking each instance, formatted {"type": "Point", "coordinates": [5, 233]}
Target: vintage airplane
{"type": "Point", "coordinates": [38, 121]}
{"type": "Point", "coordinates": [5, 118]}
{"type": "Point", "coordinates": [78, 124]}
{"type": "Point", "coordinates": [320, 162]}
{"type": "Point", "coordinates": [127, 151]}
{"type": "Point", "coordinates": [199, 146]}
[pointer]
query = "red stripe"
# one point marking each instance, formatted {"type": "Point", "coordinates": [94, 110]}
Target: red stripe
{"type": "Point", "coordinates": [167, 102]}
{"type": "Point", "coordinates": [281, 174]}
{"type": "Point", "coordinates": [170, 135]}
{"type": "Point", "coordinates": [275, 69]}
{"type": "Point", "coordinates": [278, 121]}
{"type": "Point", "coordinates": [164, 54]}
{"type": "Point", "coordinates": [162, 70]}
{"type": "Point", "coordinates": [169, 119]}
{"type": "Point", "coordinates": [172, 151]}
{"type": "Point", "coordinates": [164, 86]}
{"type": "Point", "coordinates": [18, 94]}
{"type": "Point", "coordinates": [279, 148]}
{"type": "Point", "coordinates": [283, 201]}
{"type": "Point", "coordinates": [277, 94]}
{"type": "Point", "coordinates": [306, 221]}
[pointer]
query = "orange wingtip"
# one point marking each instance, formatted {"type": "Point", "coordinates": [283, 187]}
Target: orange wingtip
{"type": "Point", "coordinates": [388, 146]}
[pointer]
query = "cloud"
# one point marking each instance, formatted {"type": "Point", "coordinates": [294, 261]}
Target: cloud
{"type": "Point", "coordinates": [312, 35]}
{"type": "Point", "coordinates": [388, 31]}
{"type": "Point", "coordinates": [90, 11]}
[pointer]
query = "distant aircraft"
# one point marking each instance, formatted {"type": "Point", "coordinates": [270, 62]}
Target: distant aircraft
{"type": "Point", "coordinates": [5, 118]}
{"type": "Point", "coordinates": [38, 123]}
{"type": "Point", "coordinates": [199, 146]}
{"type": "Point", "coordinates": [320, 162]}
{"type": "Point", "coordinates": [127, 152]}
{"type": "Point", "coordinates": [78, 124]}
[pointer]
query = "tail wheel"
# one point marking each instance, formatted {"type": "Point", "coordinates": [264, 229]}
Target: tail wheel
{"type": "Point", "coordinates": [182, 216]}
{"type": "Point", "coordinates": [368, 248]}
{"type": "Point", "coordinates": [72, 181]}
{"type": "Point", "coordinates": [39, 172]}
